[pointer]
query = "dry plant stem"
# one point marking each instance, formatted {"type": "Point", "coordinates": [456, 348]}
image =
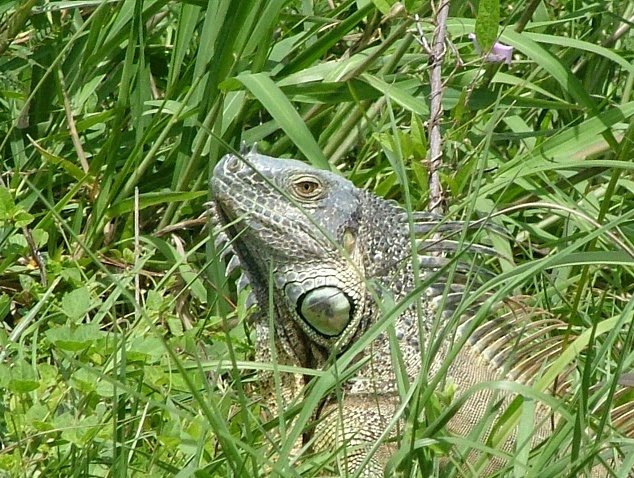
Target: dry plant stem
{"type": "Point", "coordinates": [200, 221]}
{"type": "Point", "coordinates": [36, 255]}
{"type": "Point", "coordinates": [620, 31]}
{"type": "Point", "coordinates": [435, 138]}
{"type": "Point", "coordinates": [68, 109]}
{"type": "Point", "coordinates": [15, 23]}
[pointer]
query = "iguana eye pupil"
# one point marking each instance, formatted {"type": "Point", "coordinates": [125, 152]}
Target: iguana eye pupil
{"type": "Point", "coordinates": [307, 188]}
{"type": "Point", "coordinates": [327, 310]}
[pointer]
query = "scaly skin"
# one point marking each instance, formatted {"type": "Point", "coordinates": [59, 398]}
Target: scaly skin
{"type": "Point", "coordinates": [347, 243]}
{"type": "Point", "coordinates": [329, 247]}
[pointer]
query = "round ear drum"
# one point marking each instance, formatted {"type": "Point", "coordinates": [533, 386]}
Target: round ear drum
{"type": "Point", "coordinates": [327, 310]}
{"type": "Point", "coordinates": [349, 241]}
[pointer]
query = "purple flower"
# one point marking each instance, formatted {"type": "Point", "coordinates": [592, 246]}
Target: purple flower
{"type": "Point", "coordinates": [500, 53]}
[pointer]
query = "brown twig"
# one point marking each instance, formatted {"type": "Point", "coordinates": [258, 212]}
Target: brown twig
{"type": "Point", "coordinates": [36, 255]}
{"type": "Point", "coordinates": [74, 135]}
{"type": "Point", "coordinates": [436, 58]}
{"type": "Point", "coordinates": [187, 224]}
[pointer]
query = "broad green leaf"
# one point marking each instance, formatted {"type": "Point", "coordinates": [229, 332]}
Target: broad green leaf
{"type": "Point", "coordinates": [565, 151]}
{"type": "Point", "coordinates": [188, 16]}
{"type": "Point", "coordinates": [22, 218]}
{"type": "Point", "coordinates": [145, 349]}
{"type": "Point", "coordinates": [72, 4]}
{"type": "Point", "coordinates": [525, 432]}
{"type": "Point", "coordinates": [546, 60]}
{"type": "Point", "coordinates": [87, 92]}
{"type": "Point", "coordinates": [74, 339]}
{"type": "Point", "coordinates": [18, 377]}
{"type": "Point", "coordinates": [80, 431]}
{"type": "Point", "coordinates": [38, 416]}
{"type": "Point", "coordinates": [169, 107]}
{"type": "Point", "coordinates": [76, 303]}
{"type": "Point", "coordinates": [85, 380]}
{"type": "Point", "coordinates": [6, 204]}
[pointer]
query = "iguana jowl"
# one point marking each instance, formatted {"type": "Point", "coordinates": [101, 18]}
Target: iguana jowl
{"type": "Point", "coordinates": [323, 249]}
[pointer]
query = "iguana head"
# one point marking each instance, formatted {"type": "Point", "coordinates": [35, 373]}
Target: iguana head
{"type": "Point", "coordinates": [299, 226]}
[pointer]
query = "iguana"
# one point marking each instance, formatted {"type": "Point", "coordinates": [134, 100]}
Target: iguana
{"type": "Point", "coordinates": [329, 254]}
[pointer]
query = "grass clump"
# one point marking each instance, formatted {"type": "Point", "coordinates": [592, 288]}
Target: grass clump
{"type": "Point", "coordinates": [124, 349]}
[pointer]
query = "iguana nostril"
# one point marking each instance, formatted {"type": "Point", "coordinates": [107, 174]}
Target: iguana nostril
{"type": "Point", "coordinates": [326, 309]}
{"type": "Point", "coordinates": [233, 164]}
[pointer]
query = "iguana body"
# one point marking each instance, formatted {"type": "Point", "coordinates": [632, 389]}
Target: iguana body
{"type": "Point", "coordinates": [325, 251]}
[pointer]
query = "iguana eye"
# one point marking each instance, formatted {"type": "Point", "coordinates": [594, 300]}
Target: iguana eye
{"type": "Point", "coordinates": [306, 188]}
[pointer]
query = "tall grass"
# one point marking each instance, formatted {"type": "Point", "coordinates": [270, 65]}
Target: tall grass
{"type": "Point", "coordinates": [124, 349]}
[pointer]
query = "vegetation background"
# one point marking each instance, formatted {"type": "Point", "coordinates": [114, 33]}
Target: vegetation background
{"type": "Point", "coordinates": [121, 343]}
